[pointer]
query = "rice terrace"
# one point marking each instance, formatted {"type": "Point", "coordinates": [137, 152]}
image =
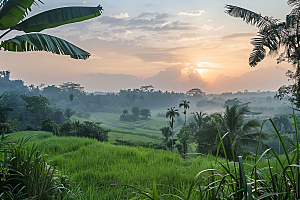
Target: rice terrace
{"type": "Point", "coordinates": [159, 100]}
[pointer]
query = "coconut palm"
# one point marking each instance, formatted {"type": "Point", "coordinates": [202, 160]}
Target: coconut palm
{"type": "Point", "coordinates": [242, 133]}
{"type": "Point", "coordinates": [282, 123]}
{"type": "Point", "coordinates": [172, 113]}
{"type": "Point", "coordinates": [198, 117]}
{"type": "Point", "coordinates": [13, 17]}
{"type": "Point", "coordinates": [185, 105]}
{"type": "Point", "coordinates": [274, 34]}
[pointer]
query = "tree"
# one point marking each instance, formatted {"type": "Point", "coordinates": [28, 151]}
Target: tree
{"type": "Point", "coordinates": [282, 123]}
{"type": "Point", "coordinates": [125, 112]}
{"type": "Point", "coordinates": [172, 113]}
{"type": "Point", "coordinates": [185, 136]}
{"type": "Point", "coordinates": [198, 118]}
{"type": "Point", "coordinates": [4, 108]}
{"type": "Point", "coordinates": [70, 86]}
{"type": "Point", "coordinates": [135, 111]}
{"type": "Point", "coordinates": [69, 113]}
{"type": "Point", "coordinates": [274, 34]}
{"type": "Point", "coordinates": [185, 105]}
{"type": "Point", "coordinates": [12, 17]}
{"type": "Point", "coordinates": [166, 131]}
{"type": "Point", "coordinates": [195, 92]}
{"type": "Point", "coordinates": [145, 112]}
{"type": "Point", "coordinates": [36, 104]}
{"type": "Point", "coordinates": [242, 133]}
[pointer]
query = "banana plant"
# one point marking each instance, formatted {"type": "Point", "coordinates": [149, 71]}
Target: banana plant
{"type": "Point", "coordinates": [14, 16]}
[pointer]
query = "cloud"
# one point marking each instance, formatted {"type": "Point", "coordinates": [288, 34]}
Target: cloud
{"type": "Point", "coordinates": [183, 37]}
{"type": "Point", "coordinates": [120, 16]}
{"type": "Point", "coordinates": [112, 82]}
{"type": "Point", "coordinates": [238, 35]}
{"type": "Point", "coordinates": [260, 79]}
{"type": "Point", "coordinates": [170, 27]}
{"type": "Point", "coordinates": [149, 5]}
{"type": "Point", "coordinates": [192, 13]}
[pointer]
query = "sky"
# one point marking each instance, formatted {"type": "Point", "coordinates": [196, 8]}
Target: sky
{"type": "Point", "coordinates": [174, 45]}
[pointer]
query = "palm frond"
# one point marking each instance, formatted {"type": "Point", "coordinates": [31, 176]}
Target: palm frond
{"type": "Point", "coordinates": [57, 17]}
{"type": "Point", "coordinates": [250, 125]}
{"type": "Point", "coordinates": [250, 17]}
{"type": "Point", "coordinates": [43, 42]}
{"type": "Point", "coordinates": [295, 4]}
{"type": "Point", "coordinates": [258, 53]}
{"type": "Point", "coordinates": [12, 11]}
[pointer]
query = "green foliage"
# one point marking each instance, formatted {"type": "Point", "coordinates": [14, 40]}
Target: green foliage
{"type": "Point", "coordinates": [36, 104]}
{"type": "Point", "coordinates": [129, 118]}
{"type": "Point", "coordinates": [86, 129]}
{"type": "Point", "coordinates": [185, 105]}
{"type": "Point", "coordinates": [166, 132]}
{"type": "Point", "coordinates": [135, 111]}
{"type": "Point", "coordinates": [12, 12]}
{"type": "Point", "coordinates": [25, 174]}
{"type": "Point", "coordinates": [50, 126]}
{"type": "Point", "coordinates": [274, 34]}
{"type": "Point", "coordinates": [186, 136]}
{"type": "Point", "coordinates": [69, 113]}
{"type": "Point", "coordinates": [145, 113]}
{"type": "Point", "coordinates": [243, 133]}
{"type": "Point", "coordinates": [125, 112]}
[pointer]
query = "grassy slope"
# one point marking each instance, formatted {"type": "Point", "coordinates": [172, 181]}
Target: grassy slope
{"type": "Point", "coordinates": [143, 130]}
{"type": "Point", "coordinates": [94, 164]}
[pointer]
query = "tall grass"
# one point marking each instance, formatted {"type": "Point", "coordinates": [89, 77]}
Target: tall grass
{"type": "Point", "coordinates": [271, 176]}
{"type": "Point", "coordinates": [93, 165]}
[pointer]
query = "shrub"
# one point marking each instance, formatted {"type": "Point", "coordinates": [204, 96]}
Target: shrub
{"type": "Point", "coordinates": [49, 125]}
{"type": "Point", "coordinates": [129, 118]}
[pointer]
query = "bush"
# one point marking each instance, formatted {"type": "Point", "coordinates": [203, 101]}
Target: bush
{"type": "Point", "coordinates": [86, 129]}
{"type": "Point", "coordinates": [129, 118]}
{"type": "Point", "coordinates": [50, 126]}
{"type": "Point", "coordinates": [30, 127]}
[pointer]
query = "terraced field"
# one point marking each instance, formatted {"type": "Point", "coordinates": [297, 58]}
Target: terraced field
{"type": "Point", "coordinates": [147, 130]}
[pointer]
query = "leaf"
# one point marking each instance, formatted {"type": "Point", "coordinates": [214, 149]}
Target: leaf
{"type": "Point", "coordinates": [250, 17]}
{"type": "Point", "coordinates": [57, 17]}
{"type": "Point", "coordinates": [43, 42]}
{"type": "Point", "coordinates": [258, 52]}
{"type": "Point", "coordinates": [12, 11]}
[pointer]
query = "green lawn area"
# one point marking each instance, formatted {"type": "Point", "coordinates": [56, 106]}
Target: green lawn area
{"type": "Point", "coordinates": [147, 130]}
{"type": "Point", "coordinates": [94, 164]}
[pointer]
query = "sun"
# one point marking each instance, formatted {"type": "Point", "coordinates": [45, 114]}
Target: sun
{"type": "Point", "coordinates": [201, 71]}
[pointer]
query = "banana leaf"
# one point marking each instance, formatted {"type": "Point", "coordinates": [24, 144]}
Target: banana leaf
{"type": "Point", "coordinates": [57, 17]}
{"type": "Point", "coordinates": [43, 42]}
{"type": "Point", "coordinates": [12, 11]}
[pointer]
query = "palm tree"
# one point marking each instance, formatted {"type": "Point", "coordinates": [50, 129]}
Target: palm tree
{"type": "Point", "coordinates": [172, 113]}
{"type": "Point", "coordinates": [13, 17]}
{"type": "Point", "coordinates": [198, 117]}
{"type": "Point", "coordinates": [274, 34]}
{"type": "Point", "coordinates": [242, 133]}
{"type": "Point", "coordinates": [166, 131]}
{"type": "Point", "coordinates": [185, 105]}
{"type": "Point", "coordinates": [282, 123]}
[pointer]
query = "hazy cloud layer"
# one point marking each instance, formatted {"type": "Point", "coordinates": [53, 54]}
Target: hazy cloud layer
{"type": "Point", "coordinates": [192, 13]}
{"type": "Point", "coordinates": [260, 79]}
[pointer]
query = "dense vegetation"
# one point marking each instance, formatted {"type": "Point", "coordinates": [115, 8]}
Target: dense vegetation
{"type": "Point", "coordinates": [260, 158]}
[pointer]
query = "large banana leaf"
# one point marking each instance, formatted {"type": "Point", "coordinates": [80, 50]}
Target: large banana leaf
{"type": "Point", "coordinates": [12, 11]}
{"type": "Point", "coordinates": [43, 42]}
{"type": "Point", "coordinates": [57, 17]}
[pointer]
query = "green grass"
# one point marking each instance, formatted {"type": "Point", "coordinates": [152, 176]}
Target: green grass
{"type": "Point", "coordinates": [147, 130]}
{"type": "Point", "coordinates": [94, 164]}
